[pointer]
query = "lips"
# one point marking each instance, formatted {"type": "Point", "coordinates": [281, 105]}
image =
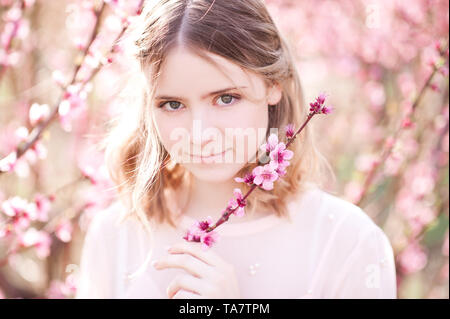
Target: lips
{"type": "Point", "coordinates": [208, 156]}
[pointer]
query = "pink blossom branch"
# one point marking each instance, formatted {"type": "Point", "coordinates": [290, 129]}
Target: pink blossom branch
{"type": "Point", "coordinates": [49, 227]}
{"type": "Point", "coordinates": [391, 140]}
{"type": "Point", "coordinates": [435, 161]}
{"type": "Point", "coordinates": [7, 46]}
{"type": "Point", "coordinates": [98, 15]}
{"type": "Point", "coordinates": [415, 238]}
{"type": "Point", "coordinates": [43, 125]}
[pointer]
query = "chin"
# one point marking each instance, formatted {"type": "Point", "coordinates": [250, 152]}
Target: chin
{"type": "Point", "coordinates": [215, 173]}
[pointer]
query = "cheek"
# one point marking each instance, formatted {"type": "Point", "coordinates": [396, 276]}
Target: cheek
{"type": "Point", "coordinates": [251, 117]}
{"type": "Point", "coordinates": [171, 129]}
{"type": "Point", "coordinates": [253, 120]}
{"type": "Point", "coordinates": [245, 116]}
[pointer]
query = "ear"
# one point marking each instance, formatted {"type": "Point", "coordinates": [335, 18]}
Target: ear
{"type": "Point", "coordinates": [274, 94]}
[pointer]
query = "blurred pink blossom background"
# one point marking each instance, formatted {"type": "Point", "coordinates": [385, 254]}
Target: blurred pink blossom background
{"type": "Point", "coordinates": [384, 64]}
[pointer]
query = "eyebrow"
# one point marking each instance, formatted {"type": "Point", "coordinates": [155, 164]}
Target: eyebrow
{"type": "Point", "coordinates": [166, 97]}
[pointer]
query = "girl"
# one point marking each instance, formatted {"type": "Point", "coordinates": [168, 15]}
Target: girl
{"type": "Point", "coordinates": [214, 79]}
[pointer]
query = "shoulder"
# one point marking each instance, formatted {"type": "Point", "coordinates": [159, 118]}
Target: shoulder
{"type": "Point", "coordinates": [334, 220]}
{"type": "Point", "coordinates": [361, 252]}
{"type": "Point", "coordinates": [347, 217]}
{"type": "Point", "coordinates": [105, 223]}
{"type": "Point", "coordinates": [351, 231]}
{"type": "Point", "coordinates": [351, 252]}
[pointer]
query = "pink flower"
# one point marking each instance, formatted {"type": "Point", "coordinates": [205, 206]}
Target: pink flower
{"type": "Point", "coordinates": [72, 105]}
{"type": "Point", "coordinates": [314, 107]}
{"type": "Point", "coordinates": [64, 231]}
{"type": "Point", "coordinates": [290, 130]}
{"type": "Point", "coordinates": [280, 155]}
{"type": "Point", "coordinates": [208, 239]}
{"type": "Point", "coordinates": [14, 206]}
{"type": "Point", "coordinates": [43, 205]}
{"type": "Point", "coordinates": [321, 98]}
{"type": "Point", "coordinates": [407, 123]}
{"type": "Point", "coordinates": [38, 112]}
{"type": "Point", "coordinates": [318, 107]}
{"type": "Point", "coordinates": [20, 211]}
{"type": "Point", "coordinates": [237, 202]}
{"type": "Point", "coordinates": [413, 258]}
{"type": "Point", "coordinates": [265, 175]}
{"type": "Point", "coordinates": [327, 110]}
{"type": "Point", "coordinates": [9, 162]}
{"type": "Point", "coordinates": [198, 233]}
{"type": "Point", "coordinates": [248, 179]}
{"type": "Point", "coordinates": [272, 142]}
{"type": "Point", "coordinates": [38, 239]}
{"type": "Point", "coordinates": [38, 150]}
{"type": "Point", "coordinates": [281, 170]}
{"type": "Point", "coordinates": [203, 225]}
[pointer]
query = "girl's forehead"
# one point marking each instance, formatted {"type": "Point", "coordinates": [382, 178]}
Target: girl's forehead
{"type": "Point", "coordinates": [184, 71]}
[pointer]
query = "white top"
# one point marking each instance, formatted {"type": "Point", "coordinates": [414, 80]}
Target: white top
{"type": "Point", "coordinates": [331, 249]}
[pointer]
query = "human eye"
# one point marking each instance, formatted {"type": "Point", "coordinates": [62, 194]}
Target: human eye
{"type": "Point", "coordinates": [227, 99]}
{"type": "Point", "coordinates": [172, 106]}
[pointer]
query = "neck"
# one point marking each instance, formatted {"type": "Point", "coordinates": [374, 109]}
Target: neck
{"type": "Point", "coordinates": [211, 199]}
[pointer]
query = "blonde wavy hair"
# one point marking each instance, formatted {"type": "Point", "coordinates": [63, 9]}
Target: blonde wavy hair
{"type": "Point", "coordinates": [242, 32]}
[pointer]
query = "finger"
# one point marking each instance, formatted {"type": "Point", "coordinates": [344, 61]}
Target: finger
{"type": "Point", "coordinates": [192, 265]}
{"type": "Point", "coordinates": [185, 282]}
{"type": "Point", "coordinates": [194, 249]}
{"type": "Point", "coordinates": [182, 294]}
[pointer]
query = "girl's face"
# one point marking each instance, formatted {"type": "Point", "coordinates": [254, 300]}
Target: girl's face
{"type": "Point", "coordinates": [211, 121]}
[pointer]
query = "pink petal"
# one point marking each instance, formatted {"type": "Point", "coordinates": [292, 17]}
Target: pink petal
{"type": "Point", "coordinates": [288, 154]}
{"type": "Point", "coordinates": [258, 170]}
{"type": "Point", "coordinates": [239, 212]}
{"type": "Point", "coordinates": [237, 192]}
{"type": "Point", "coordinates": [258, 180]}
{"type": "Point", "coordinates": [267, 185]}
{"type": "Point", "coordinates": [272, 165]}
{"type": "Point", "coordinates": [273, 140]}
{"type": "Point", "coordinates": [273, 177]}
{"type": "Point", "coordinates": [232, 203]}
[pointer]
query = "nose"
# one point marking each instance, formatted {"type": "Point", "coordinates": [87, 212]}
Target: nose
{"type": "Point", "coordinates": [201, 120]}
{"type": "Point", "coordinates": [204, 130]}
{"type": "Point", "coordinates": [200, 112]}
{"type": "Point", "coordinates": [199, 140]}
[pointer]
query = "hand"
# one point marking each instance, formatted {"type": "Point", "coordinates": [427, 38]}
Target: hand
{"type": "Point", "coordinates": [209, 276]}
